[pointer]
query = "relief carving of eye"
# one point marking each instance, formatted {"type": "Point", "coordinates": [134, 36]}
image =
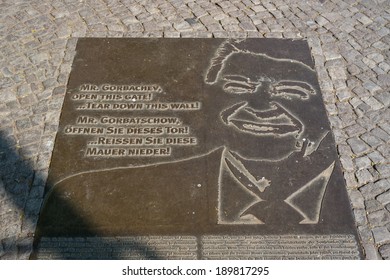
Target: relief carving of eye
{"type": "Point", "coordinates": [239, 85]}
{"type": "Point", "coordinates": [292, 90]}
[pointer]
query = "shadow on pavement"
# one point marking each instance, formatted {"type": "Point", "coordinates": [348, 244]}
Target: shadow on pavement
{"type": "Point", "coordinates": [21, 190]}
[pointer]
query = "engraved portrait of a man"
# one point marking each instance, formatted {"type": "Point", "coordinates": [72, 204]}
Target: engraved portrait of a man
{"type": "Point", "coordinates": [264, 103]}
{"type": "Point", "coordinates": [268, 125]}
{"type": "Point", "coordinates": [263, 159]}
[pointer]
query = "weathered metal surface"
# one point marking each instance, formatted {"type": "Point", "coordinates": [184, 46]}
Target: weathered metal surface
{"type": "Point", "coordinates": [195, 137]}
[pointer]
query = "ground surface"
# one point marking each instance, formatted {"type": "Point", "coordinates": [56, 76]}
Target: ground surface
{"type": "Point", "coordinates": [350, 44]}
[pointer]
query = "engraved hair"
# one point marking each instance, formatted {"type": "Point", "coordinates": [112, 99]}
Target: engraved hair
{"type": "Point", "coordinates": [228, 48]}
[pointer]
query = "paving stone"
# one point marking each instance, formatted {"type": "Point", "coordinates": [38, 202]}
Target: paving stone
{"type": "Point", "coordinates": [369, 62]}
{"type": "Point", "coordinates": [344, 108]}
{"type": "Point", "coordinates": [7, 95]}
{"type": "Point", "coordinates": [321, 21]}
{"type": "Point", "coordinates": [196, 34]}
{"type": "Point", "coordinates": [380, 45]}
{"type": "Point", "coordinates": [377, 57]}
{"type": "Point", "coordinates": [379, 71]}
{"type": "Point", "coordinates": [9, 248]}
{"type": "Point", "coordinates": [51, 82]}
{"type": "Point", "coordinates": [360, 91]}
{"type": "Point", "coordinates": [23, 124]}
{"type": "Point", "coordinates": [383, 169]}
{"type": "Point", "coordinates": [357, 199]}
{"type": "Point", "coordinates": [363, 162]}
{"type": "Point", "coordinates": [38, 58]}
{"type": "Point", "coordinates": [23, 90]}
{"type": "Point", "coordinates": [366, 234]}
{"type": "Point", "coordinates": [385, 251]}
{"type": "Point", "coordinates": [358, 146]}
{"type": "Point", "coordinates": [373, 205]}
{"type": "Point", "coordinates": [350, 179]}
{"type": "Point", "coordinates": [28, 100]}
{"type": "Point", "coordinates": [33, 206]}
{"type": "Point", "coordinates": [59, 90]}
{"type": "Point", "coordinates": [364, 19]}
{"type": "Point", "coordinates": [383, 31]}
{"type": "Point", "coordinates": [364, 176]}
{"type": "Point", "coordinates": [172, 34]}
{"type": "Point", "coordinates": [24, 248]}
{"type": "Point", "coordinates": [340, 86]}
{"type": "Point", "coordinates": [40, 177]}
{"type": "Point", "coordinates": [2, 250]}
{"type": "Point", "coordinates": [371, 251]}
{"type": "Point", "coordinates": [381, 235]}
{"type": "Point", "coordinates": [381, 134]}
{"type": "Point", "coordinates": [371, 87]}
{"type": "Point", "coordinates": [378, 218]}
{"type": "Point", "coordinates": [371, 139]}
{"type": "Point", "coordinates": [30, 137]}
{"type": "Point", "coordinates": [384, 198]}
{"type": "Point", "coordinates": [355, 130]}
{"type": "Point", "coordinates": [378, 116]}
{"type": "Point", "coordinates": [336, 122]}
{"type": "Point", "coordinates": [385, 66]}
{"type": "Point", "coordinates": [29, 151]}
{"type": "Point", "coordinates": [384, 80]}
{"type": "Point", "coordinates": [360, 216]}
{"type": "Point", "coordinates": [331, 54]}
{"type": "Point", "coordinates": [331, 109]}
{"type": "Point", "coordinates": [347, 163]}
{"type": "Point", "coordinates": [343, 95]}
{"type": "Point", "coordinates": [374, 103]}
{"type": "Point", "coordinates": [339, 136]}
{"type": "Point", "coordinates": [372, 190]}
{"type": "Point", "coordinates": [386, 127]}
{"type": "Point", "coordinates": [366, 122]}
{"type": "Point", "coordinates": [258, 8]}
{"type": "Point", "coordinates": [374, 173]}
{"type": "Point", "coordinates": [247, 26]}
{"type": "Point", "coordinates": [376, 157]}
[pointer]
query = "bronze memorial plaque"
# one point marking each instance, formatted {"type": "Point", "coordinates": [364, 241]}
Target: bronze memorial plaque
{"type": "Point", "coordinates": [195, 149]}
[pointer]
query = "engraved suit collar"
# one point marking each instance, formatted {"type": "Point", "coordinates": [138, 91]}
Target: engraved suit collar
{"type": "Point", "coordinates": [306, 199]}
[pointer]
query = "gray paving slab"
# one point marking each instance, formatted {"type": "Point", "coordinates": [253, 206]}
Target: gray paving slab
{"type": "Point", "coordinates": [350, 46]}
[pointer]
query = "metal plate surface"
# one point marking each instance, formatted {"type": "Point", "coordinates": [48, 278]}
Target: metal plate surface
{"type": "Point", "coordinates": [196, 138]}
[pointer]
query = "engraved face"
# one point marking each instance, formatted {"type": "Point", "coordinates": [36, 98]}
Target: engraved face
{"type": "Point", "coordinates": [267, 105]}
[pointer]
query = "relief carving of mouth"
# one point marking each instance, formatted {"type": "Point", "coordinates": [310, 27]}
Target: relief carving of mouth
{"type": "Point", "coordinates": [274, 121]}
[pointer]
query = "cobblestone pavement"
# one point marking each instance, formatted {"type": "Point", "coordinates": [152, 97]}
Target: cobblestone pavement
{"type": "Point", "coordinates": [350, 44]}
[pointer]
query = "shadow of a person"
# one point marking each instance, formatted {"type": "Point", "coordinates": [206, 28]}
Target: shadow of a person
{"type": "Point", "coordinates": [21, 197]}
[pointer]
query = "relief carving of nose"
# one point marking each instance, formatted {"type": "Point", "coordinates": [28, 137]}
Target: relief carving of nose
{"type": "Point", "coordinates": [260, 101]}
